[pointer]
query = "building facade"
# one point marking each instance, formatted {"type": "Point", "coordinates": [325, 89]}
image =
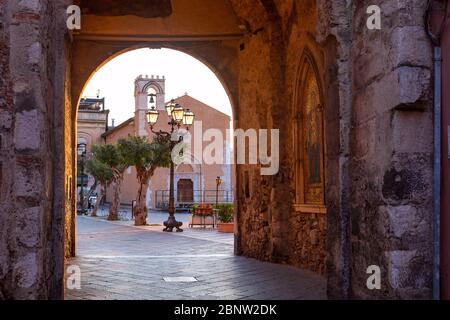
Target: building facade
{"type": "Point", "coordinates": [92, 121]}
{"type": "Point", "coordinates": [195, 181]}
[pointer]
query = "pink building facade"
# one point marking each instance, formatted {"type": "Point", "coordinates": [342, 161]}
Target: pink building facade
{"type": "Point", "coordinates": [195, 181]}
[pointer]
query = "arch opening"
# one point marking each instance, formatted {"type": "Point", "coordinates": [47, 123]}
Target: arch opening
{"type": "Point", "coordinates": [202, 187]}
{"type": "Point", "coordinates": [222, 57]}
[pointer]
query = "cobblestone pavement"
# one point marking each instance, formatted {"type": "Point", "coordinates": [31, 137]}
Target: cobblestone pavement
{"type": "Point", "coordinates": [154, 216]}
{"type": "Point", "coordinates": [118, 261]}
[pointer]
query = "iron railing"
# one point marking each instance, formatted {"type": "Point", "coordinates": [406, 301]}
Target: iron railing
{"type": "Point", "coordinates": [161, 198]}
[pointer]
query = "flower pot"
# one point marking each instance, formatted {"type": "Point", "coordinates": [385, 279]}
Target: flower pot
{"type": "Point", "coordinates": [226, 227]}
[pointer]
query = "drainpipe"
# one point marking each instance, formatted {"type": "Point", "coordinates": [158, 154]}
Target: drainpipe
{"type": "Point", "coordinates": [437, 171]}
{"type": "Point", "coordinates": [436, 40]}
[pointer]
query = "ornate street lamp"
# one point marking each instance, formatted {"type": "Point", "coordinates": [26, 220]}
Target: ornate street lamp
{"type": "Point", "coordinates": [81, 151]}
{"type": "Point", "coordinates": [178, 116]}
{"type": "Point", "coordinates": [188, 118]}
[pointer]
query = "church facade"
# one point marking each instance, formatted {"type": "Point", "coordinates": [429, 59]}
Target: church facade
{"type": "Point", "coordinates": [195, 181]}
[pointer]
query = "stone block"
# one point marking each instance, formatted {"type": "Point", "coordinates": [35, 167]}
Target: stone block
{"type": "Point", "coordinates": [20, 86]}
{"type": "Point", "coordinates": [412, 131]}
{"type": "Point", "coordinates": [401, 219]}
{"type": "Point", "coordinates": [25, 270]}
{"type": "Point", "coordinates": [30, 5]}
{"type": "Point", "coordinates": [403, 12]}
{"type": "Point", "coordinates": [35, 53]}
{"type": "Point", "coordinates": [407, 269]}
{"type": "Point", "coordinates": [413, 86]}
{"type": "Point", "coordinates": [5, 119]}
{"type": "Point", "coordinates": [28, 178]}
{"type": "Point", "coordinates": [410, 47]}
{"type": "Point", "coordinates": [29, 226]}
{"type": "Point", "coordinates": [405, 88]}
{"type": "Point", "coordinates": [27, 130]}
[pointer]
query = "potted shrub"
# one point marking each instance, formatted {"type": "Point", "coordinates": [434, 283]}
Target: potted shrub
{"type": "Point", "coordinates": [202, 215]}
{"type": "Point", "coordinates": [226, 217]}
{"type": "Point", "coordinates": [194, 208]}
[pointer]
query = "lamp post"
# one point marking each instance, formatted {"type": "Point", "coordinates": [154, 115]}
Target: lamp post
{"type": "Point", "coordinates": [81, 150]}
{"type": "Point", "coordinates": [218, 183]}
{"type": "Point", "coordinates": [178, 116]}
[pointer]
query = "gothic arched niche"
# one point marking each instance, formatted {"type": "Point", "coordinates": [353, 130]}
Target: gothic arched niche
{"type": "Point", "coordinates": [309, 137]}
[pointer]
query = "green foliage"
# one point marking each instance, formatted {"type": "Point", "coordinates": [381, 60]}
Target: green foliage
{"type": "Point", "coordinates": [111, 155]}
{"type": "Point", "coordinates": [99, 170]}
{"type": "Point", "coordinates": [138, 152]}
{"type": "Point", "coordinates": [225, 212]}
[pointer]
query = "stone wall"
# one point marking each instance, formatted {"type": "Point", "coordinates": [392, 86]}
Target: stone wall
{"type": "Point", "coordinates": [6, 153]}
{"type": "Point", "coordinates": [29, 223]}
{"type": "Point", "coordinates": [391, 148]}
{"type": "Point", "coordinates": [377, 96]}
{"type": "Point", "coordinates": [307, 241]}
{"type": "Point", "coordinates": [335, 24]}
{"type": "Point", "coordinates": [268, 227]}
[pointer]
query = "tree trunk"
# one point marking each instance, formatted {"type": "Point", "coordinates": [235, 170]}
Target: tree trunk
{"type": "Point", "coordinates": [140, 211]}
{"type": "Point", "coordinates": [114, 209]}
{"type": "Point", "coordinates": [99, 200]}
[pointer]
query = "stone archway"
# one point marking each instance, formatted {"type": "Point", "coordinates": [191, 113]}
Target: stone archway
{"type": "Point", "coordinates": [252, 48]}
{"type": "Point", "coordinates": [378, 180]}
{"type": "Point", "coordinates": [223, 53]}
{"type": "Point", "coordinates": [88, 58]}
{"type": "Point", "coordinates": [242, 42]}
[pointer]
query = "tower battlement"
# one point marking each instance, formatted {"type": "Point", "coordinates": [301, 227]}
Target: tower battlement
{"type": "Point", "coordinates": [143, 87]}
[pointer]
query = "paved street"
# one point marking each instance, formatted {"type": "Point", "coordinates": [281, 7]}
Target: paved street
{"type": "Point", "coordinates": [119, 261]}
{"type": "Point", "coordinates": [153, 215]}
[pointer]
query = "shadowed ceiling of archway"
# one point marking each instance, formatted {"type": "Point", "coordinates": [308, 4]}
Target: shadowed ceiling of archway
{"type": "Point", "coordinates": [140, 8]}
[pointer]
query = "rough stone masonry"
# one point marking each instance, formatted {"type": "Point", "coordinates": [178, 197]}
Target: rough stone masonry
{"type": "Point", "coordinates": [375, 90]}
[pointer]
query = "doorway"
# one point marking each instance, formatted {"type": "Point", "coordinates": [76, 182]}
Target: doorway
{"type": "Point", "coordinates": [185, 191]}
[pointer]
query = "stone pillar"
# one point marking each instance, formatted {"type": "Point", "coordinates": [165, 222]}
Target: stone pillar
{"type": "Point", "coordinates": [335, 33]}
{"type": "Point", "coordinates": [391, 152]}
{"type": "Point", "coordinates": [7, 156]}
{"type": "Point", "coordinates": [32, 267]}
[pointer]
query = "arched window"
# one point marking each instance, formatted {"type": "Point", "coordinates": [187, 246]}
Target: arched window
{"type": "Point", "coordinates": [83, 140]}
{"type": "Point", "coordinates": [309, 140]}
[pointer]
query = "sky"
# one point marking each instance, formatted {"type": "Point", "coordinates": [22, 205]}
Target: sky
{"type": "Point", "coordinates": [184, 74]}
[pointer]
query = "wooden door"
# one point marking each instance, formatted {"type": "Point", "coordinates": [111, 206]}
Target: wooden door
{"type": "Point", "coordinates": [185, 190]}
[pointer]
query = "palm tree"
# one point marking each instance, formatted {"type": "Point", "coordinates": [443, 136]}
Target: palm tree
{"type": "Point", "coordinates": [146, 158]}
{"type": "Point", "coordinates": [113, 157]}
{"type": "Point", "coordinates": [102, 175]}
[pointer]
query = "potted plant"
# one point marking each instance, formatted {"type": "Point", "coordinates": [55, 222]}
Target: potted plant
{"type": "Point", "coordinates": [194, 208]}
{"type": "Point", "coordinates": [226, 217]}
{"type": "Point", "coordinates": [202, 215]}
